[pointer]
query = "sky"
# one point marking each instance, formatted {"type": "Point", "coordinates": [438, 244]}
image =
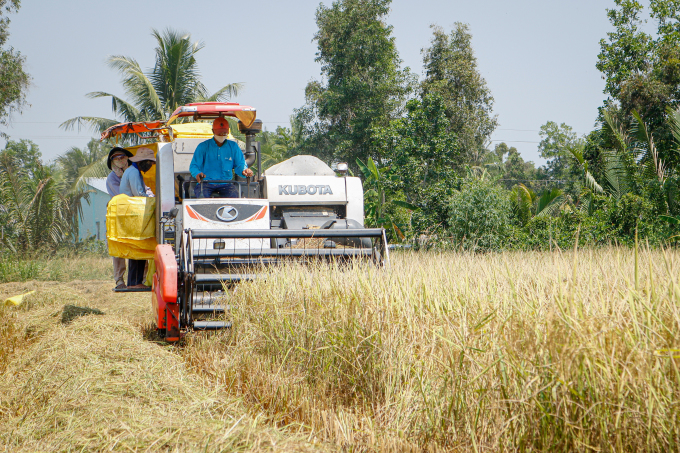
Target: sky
{"type": "Point", "coordinates": [537, 56]}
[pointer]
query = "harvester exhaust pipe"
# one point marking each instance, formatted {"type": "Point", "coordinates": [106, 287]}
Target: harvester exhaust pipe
{"type": "Point", "coordinates": [252, 151]}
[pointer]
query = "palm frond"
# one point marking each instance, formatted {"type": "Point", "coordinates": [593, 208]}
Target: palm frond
{"type": "Point", "coordinates": [671, 192]}
{"type": "Point", "coordinates": [32, 204]}
{"type": "Point", "coordinates": [14, 193]}
{"type": "Point", "coordinates": [406, 205]}
{"type": "Point", "coordinates": [364, 168]}
{"type": "Point", "coordinates": [586, 203]}
{"type": "Point", "coordinates": [223, 94]}
{"type": "Point", "coordinates": [591, 183]}
{"type": "Point", "coordinates": [654, 165]}
{"type": "Point", "coordinates": [522, 199]}
{"type": "Point", "coordinates": [95, 124]}
{"type": "Point", "coordinates": [673, 119]}
{"type": "Point", "coordinates": [549, 202]}
{"type": "Point", "coordinates": [621, 138]}
{"type": "Point", "coordinates": [97, 169]}
{"type": "Point", "coordinates": [617, 180]}
{"type": "Point", "coordinates": [139, 87]}
{"type": "Point", "coordinates": [121, 107]}
{"type": "Point", "coordinates": [670, 219]}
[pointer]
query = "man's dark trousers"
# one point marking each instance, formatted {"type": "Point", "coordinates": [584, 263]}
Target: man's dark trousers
{"type": "Point", "coordinates": [206, 189]}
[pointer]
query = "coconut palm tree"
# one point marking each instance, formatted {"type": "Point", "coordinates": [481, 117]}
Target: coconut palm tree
{"type": "Point", "coordinates": [174, 81]}
{"type": "Point", "coordinates": [35, 208]}
{"type": "Point", "coordinates": [527, 204]}
{"type": "Point", "coordinates": [40, 204]}
{"type": "Point", "coordinates": [633, 160]}
{"type": "Point", "coordinates": [79, 161]}
{"type": "Point", "coordinates": [275, 146]}
{"type": "Point", "coordinates": [77, 165]}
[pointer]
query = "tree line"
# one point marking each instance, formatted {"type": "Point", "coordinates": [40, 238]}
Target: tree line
{"type": "Point", "coordinates": [422, 145]}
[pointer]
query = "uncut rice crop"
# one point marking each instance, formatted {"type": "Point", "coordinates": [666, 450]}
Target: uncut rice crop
{"type": "Point", "coordinates": [563, 351]}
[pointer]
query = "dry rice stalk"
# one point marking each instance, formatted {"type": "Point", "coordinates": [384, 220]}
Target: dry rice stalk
{"type": "Point", "coordinates": [97, 384]}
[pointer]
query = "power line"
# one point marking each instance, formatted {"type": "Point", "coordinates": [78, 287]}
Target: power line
{"type": "Point", "coordinates": [59, 122]}
{"type": "Point", "coordinates": [534, 180]}
{"type": "Point", "coordinates": [513, 141]}
{"type": "Point", "coordinates": [527, 130]}
{"type": "Point", "coordinates": [36, 122]}
{"type": "Point", "coordinates": [70, 137]}
{"type": "Point", "coordinates": [518, 130]}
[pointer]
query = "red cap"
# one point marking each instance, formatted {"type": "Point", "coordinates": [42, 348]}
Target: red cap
{"type": "Point", "coordinates": [220, 126]}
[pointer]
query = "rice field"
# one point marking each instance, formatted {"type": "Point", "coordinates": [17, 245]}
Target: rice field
{"type": "Point", "coordinates": [563, 351]}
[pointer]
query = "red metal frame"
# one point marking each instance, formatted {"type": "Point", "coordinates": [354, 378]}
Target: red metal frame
{"type": "Point", "coordinates": [164, 292]}
{"type": "Point", "coordinates": [212, 110]}
{"type": "Point", "coordinates": [196, 110]}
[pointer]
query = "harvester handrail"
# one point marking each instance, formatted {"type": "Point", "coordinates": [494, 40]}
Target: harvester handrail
{"type": "Point", "coordinates": [190, 244]}
{"type": "Point", "coordinates": [258, 234]}
{"type": "Point", "coordinates": [215, 181]}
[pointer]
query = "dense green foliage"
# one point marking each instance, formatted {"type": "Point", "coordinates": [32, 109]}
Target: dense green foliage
{"type": "Point", "coordinates": [421, 149]}
{"type": "Point", "coordinates": [479, 216]}
{"type": "Point", "coordinates": [41, 203]}
{"type": "Point", "coordinates": [642, 71]}
{"type": "Point", "coordinates": [423, 158]}
{"type": "Point", "coordinates": [603, 188]}
{"type": "Point", "coordinates": [79, 164]}
{"type": "Point", "coordinates": [14, 81]}
{"type": "Point", "coordinates": [276, 146]}
{"type": "Point", "coordinates": [363, 86]}
{"type": "Point", "coordinates": [35, 211]}
{"type": "Point", "coordinates": [451, 71]}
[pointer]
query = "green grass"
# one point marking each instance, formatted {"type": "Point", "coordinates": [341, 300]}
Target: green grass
{"type": "Point", "coordinates": [61, 268]}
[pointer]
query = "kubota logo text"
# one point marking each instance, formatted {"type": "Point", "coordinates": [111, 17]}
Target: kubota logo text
{"type": "Point", "coordinates": [305, 190]}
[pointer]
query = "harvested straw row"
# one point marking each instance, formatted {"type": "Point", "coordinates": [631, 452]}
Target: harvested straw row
{"type": "Point", "coordinates": [98, 384]}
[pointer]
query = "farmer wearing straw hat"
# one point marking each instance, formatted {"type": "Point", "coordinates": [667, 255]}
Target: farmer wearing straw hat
{"type": "Point", "coordinates": [117, 163]}
{"type": "Point", "coordinates": [214, 160]}
{"type": "Point", "coordinates": [132, 185]}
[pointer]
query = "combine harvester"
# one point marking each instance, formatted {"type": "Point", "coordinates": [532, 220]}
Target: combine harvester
{"type": "Point", "coordinates": [298, 209]}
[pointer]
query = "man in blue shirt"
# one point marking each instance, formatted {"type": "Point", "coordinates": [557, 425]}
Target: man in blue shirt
{"type": "Point", "coordinates": [214, 160]}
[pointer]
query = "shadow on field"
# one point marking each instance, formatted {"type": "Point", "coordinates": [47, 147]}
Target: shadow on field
{"type": "Point", "coordinates": [72, 312]}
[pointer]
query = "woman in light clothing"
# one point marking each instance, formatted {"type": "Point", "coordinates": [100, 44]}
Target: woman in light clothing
{"type": "Point", "coordinates": [132, 185]}
{"type": "Point", "coordinates": [117, 163]}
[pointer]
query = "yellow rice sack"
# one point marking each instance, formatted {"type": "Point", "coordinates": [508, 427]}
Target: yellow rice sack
{"type": "Point", "coordinates": [131, 227]}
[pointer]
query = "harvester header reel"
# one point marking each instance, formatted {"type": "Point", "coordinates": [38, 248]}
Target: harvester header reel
{"type": "Point", "coordinates": [204, 273]}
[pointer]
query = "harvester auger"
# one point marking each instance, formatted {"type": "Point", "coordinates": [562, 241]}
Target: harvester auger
{"type": "Point", "coordinates": [299, 209]}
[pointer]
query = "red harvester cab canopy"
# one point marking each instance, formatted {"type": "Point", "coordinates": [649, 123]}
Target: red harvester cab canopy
{"type": "Point", "coordinates": [212, 110]}
{"type": "Point", "coordinates": [198, 111]}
